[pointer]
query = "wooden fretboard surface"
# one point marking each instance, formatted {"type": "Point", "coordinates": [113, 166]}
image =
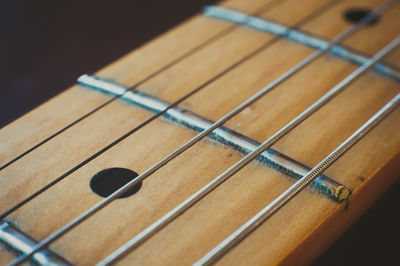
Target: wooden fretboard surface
{"type": "Point", "coordinates": [310, 221]}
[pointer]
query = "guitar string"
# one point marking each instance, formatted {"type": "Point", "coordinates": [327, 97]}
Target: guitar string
{"type": "Point", "coordinates": [192, 51]}
{"type": "Point", "coordinates": [171, 156]}
{"type": "Point", "coordinates": [155, 116]}
{"type": "Point", "coordinates": [147, 233]}
{"type": "Point", "coordinates": [240, 234]}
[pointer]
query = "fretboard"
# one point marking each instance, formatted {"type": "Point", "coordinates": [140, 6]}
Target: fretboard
{"type": "Point", "coordinates": [209, 125]}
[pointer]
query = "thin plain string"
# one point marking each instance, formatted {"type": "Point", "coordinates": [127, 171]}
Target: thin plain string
{"type": "Point", "coordinates": [214, 38]}
{"type": "Point", "coordinates": [151, 170]}
{"type": "Point", "coordinates": [240, 234]}
{"type": "Point", "coordinates": [185, 205]}
{"type": "Point", "coordinates": [172, 105]}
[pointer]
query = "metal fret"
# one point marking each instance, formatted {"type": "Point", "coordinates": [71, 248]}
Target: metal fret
{"type": "Point", "coordinates": [298, 36]}
{"type": "Point", "coordinates": [223, 135]}
{"type": "Point", "coordinates": [19, 243]}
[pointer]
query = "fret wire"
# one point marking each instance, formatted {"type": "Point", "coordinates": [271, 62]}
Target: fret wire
{"type": "Point", "coordinates": [190, 143]}
{"type": "Point", "coordinates": [172, 105]}
{"type": "Point", "coordinates": [194, 198]}
{"type": "Point", "coordinates": [110, 198]}
{"type": "Point", "coordinates": [298, 36]}
{"type": "Point", "coordinates": [235, 238]}
{"type": "Point", "coordinates": [212, 39]}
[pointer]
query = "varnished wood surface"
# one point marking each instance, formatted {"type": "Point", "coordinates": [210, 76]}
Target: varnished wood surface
{"type": "Point", "coordinates": [309, 221]}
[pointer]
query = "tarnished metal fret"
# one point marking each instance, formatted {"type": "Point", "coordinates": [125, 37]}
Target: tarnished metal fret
{"type": "Point", "coordinates": [226, 245]}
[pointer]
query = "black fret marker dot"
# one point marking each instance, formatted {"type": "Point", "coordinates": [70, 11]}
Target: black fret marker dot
{"type": "Point", "coordinates": [105, 182]}
{"type": "Point", "coordinates": [354, 15]}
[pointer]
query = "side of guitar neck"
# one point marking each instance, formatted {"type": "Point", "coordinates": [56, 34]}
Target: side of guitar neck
{"type": "Point", "coordinates": [199, 54]}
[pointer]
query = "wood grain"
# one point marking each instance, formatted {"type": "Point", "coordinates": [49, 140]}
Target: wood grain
{"type": "Point", "coordinates": [309, 222]}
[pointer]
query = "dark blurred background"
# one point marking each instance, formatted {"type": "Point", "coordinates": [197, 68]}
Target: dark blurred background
{"type": "Point", "coordinates": [46, 45]}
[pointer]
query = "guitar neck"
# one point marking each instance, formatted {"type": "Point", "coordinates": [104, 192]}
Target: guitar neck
{"type": "Point", "coordinates": [74, 151]}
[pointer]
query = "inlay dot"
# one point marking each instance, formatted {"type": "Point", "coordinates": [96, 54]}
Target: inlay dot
{"type": "Point", "coordinates": [107, 181]}
{"type": "Point", "coordinates": [354, 15]}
